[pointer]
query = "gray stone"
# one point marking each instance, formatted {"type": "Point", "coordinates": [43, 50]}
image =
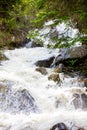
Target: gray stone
{"type": "Point", "coordinates": [72, 53]}
{"type": "Point", "coordinates": [59, 126]}
{"type": "Point", "coordinates": [45, 62]}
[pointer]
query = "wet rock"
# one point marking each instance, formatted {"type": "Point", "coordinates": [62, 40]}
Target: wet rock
{"type": "Point", "coordinates": [18, 44]}
{"type": "Point", "coordinates": [59, 126]}
{"type": "Point", "coordinates": [81, 129]}
{"type": "Point", "coordinates": [80, 100]}
{"type": "Point", "coordinates": [77, 101]}
{"type": "Point", "coordinates": [84, 80]}
{"type": "Point", "coordinates": [45, 62]}
{"type": "Point", "coordinates": [16, 100]}
{"type": "Point", "coordinates": [72, 53]}
{"type": "Point", "coordinates": [42, 70]}
{"type": "Point", "coordinates": [77, 128]}
{"type": "Point", "coordinates": [55, 77]}
{"type": "Point", "coordinates": [77, 52]}
{"type": "Point", "coordinates": [59, 68]}
{"type": "Point", "coordinates": [3, 57]}
{"type": "Point", "coordinates": [34, 44]}
{"type": "Point", "coordinates": [84, 100]}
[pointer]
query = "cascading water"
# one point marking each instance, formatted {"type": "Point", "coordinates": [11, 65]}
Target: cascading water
{"type": "Point", "coordinates": [29, 101]}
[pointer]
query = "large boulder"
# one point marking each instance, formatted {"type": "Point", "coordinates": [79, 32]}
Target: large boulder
{"type": "Point", "coordinates": [59, 126]}
{"type": "Point", "coordinates": [72, 53]}
{"type": "Point", "coordinates": [77, 52]}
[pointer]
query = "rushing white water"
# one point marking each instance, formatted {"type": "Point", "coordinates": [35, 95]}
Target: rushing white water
{"type": "Point", "coordinates": [28, 100]}
{"type": "Point", "coordinates": [52, 102]}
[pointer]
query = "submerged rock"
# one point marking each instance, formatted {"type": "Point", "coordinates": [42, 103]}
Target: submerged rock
{"type": "Point", "coordinates": [16, 100]}
{"type": "Point", "coordinates": [59, 126]}
{"type": "Point", "coordinates": [45, 62]}
{"type": "Point", "coordinates": [77, 128]}
{"type": "Point", "coordinates": [80, 100]}
{"type": "Point", "coordinates": [42, 70]}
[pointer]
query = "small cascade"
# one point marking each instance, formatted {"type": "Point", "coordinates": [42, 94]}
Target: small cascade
{"type": "Point", "coordinates": [31, 99]}
{"type": "Point", "coordinates": [16, 101]}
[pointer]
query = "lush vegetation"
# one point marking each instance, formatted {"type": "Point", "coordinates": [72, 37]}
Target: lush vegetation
{"type": "Point", "coordinates": [19, 16]}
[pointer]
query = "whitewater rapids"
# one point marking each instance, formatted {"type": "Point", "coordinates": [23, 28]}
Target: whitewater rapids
{"type": "Point", "coordinates": [19, 72]}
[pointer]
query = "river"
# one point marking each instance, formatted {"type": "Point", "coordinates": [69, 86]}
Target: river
{"type": "Point", "coordinates": [29, 101]}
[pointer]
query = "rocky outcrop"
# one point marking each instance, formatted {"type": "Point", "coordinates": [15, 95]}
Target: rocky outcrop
{"type": "Point", "coordinates": [59, 126]}
{"type": "Point", "coordinates": [45, 62]}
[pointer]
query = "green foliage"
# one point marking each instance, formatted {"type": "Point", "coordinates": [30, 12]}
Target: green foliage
{"type": "Point", "coordinates": [83, 39]}
{"type": "Point", "coordinates": [38, 11]}
{"type": "Point", "coordinates": [19, 15]}
{"type": "Point", "coordinates": [32, 34]}
{"type": "Point", "coordinates": [72, 62]}
{"type": "Point", "coordinates": [65, 42]}
{"type": "Point", "coordinates": [62, 10]}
